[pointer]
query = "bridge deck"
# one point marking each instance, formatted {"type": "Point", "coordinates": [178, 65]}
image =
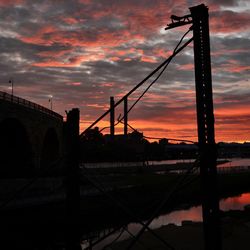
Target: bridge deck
{"type": "Point", "coordinates": [20, 101]}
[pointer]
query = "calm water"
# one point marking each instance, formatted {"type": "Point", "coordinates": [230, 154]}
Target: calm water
{"type": "Point", "coordinates": [193, 213]}
{"type": "Point", "coordinates": [176, 217]}
{"type": "Point", "coordinates": [234, 162]}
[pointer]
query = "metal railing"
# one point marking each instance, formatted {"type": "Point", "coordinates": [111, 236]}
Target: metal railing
{"type": "Point", "coordinates": [20, 101]}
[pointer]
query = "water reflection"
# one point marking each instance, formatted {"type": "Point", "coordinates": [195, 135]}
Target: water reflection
{"type": "Point", "coordinates": [236, 162]}
{"type": "Point", "coordinates": [194, 213]}
{"type": "Point", "coordinates": [176, 217]}
{"type": "Point", "coordinates": [235, 203]}
{"type": "Point", "coordinates": [233, 162]}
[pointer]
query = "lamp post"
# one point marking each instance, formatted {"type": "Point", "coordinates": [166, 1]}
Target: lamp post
{"type": "Point", "coordinates": [51, 102]}
{"type": "Point", "coordinates": [12, 86]}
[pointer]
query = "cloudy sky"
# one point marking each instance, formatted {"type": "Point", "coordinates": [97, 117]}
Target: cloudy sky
{"type": "Point", "coordinates": [81, 52]}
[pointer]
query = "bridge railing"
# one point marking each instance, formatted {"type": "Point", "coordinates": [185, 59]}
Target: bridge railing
{"type": "Point", "coordinates": [29, 104]}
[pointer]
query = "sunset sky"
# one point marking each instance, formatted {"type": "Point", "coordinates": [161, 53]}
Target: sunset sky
{"type": "Point", "coordinates": [81, 52]}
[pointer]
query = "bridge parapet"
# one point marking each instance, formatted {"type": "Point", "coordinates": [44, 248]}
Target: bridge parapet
{"type": "Point", "coordinates": [20, 101]}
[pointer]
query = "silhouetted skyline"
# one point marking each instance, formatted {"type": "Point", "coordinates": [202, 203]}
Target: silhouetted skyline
{"type": "Point", "coordinates": [82, 52]}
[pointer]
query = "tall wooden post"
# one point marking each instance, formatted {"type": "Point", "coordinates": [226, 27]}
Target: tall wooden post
{"type": "Point", "coordinates": [72, 180]}
{"type": "Point", "coordinates": [112, 117]}
{"type": "Point", "coordinates": [205, 122]}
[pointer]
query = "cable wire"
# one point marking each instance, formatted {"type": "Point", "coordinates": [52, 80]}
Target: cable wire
{"type": "Point", "coordinates": [139, 84]}
{"type": "Point", "coordinates": [170, 139]}
{"type": "Point", "coordinates": [159, 138]}
{"type": "Point", "coordinates": [164, 68]}
{"type": "Point", "coordinates": [118, 121]}
{"type": "Point", "coordinates": [164, 65]}
{"type": "Point", "coordinates": [150, 85]}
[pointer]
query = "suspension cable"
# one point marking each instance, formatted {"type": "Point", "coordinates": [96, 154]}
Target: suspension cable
{"type": "Point", "coordinates": [169, 139]}
{"type": "Point", "coordinates": [119, 119]}
{"type": "Point", "coordinates": [164, 65]}
{"type": "Point", "coordinates": [159, 138]}
{"type": "Point", "coordinates": [164, 68]}
{"type": "Point", "coordinates": [139, 84]}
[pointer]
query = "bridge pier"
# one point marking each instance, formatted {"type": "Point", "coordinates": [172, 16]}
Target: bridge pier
{"type": "Point", "coordinates": [26, 130]}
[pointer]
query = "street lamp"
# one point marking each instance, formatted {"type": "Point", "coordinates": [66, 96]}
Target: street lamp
{"type": "Point", "coordinates": [12, 86]}
{"type": "Point", "coordinates": [51, 102]}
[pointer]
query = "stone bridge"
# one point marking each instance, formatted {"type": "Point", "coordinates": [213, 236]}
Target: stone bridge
{"type": "Point", "coordinates": [31, 136]}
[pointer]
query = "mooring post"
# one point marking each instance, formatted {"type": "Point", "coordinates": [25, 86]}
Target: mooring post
{"type": "Point", "coordinates": [72, 180]}
{"type": "Point", "coordinates": [206, 134]}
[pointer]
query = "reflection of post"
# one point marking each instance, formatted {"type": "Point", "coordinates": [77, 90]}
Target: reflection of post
{"type": "Point", "coordinates": [112, 117]}
{"type": "Point", "coordinates": [125, 116]}
{"type": "Point", "coordinates": [205, 122]}
{"type": "Point", "coordinates": [73, 182]}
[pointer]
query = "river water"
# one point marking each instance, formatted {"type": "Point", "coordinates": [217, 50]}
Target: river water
{"type": "Point", "coordinates": [233, 162]}
{"type": "Point", "coordinates": [176, 217]}
{"type": "Point", "coordinates": [193, 214]}
{"type": "Point", "coordinates": [236, 162]}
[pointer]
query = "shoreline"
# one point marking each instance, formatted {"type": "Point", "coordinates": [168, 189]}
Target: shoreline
{"type": "Point", "coordinates": [235, 227]}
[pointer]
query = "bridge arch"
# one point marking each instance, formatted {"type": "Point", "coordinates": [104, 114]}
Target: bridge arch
{"type": "Point", "coordinates": [15, 149]}
{"type": "Point", "coordinates": [50, 152]}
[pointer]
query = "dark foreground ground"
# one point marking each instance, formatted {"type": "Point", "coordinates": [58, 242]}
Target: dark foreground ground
{"type": "Point", "coordinates": [128, 198]}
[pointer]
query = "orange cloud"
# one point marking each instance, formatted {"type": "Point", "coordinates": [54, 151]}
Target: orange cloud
{"type": "Point", "coordinates": [54, 54]}
{"type": "Point", "coordinates": [234, 110]}
{"type": "Point", "coordinates": [49, 35]}
{"type": "Point", "coordinates": [107, 84]}
{"type": "Point", "coordinates": [186, 67]}
{"type": "Point", "coordinates": [228, 51]}
{"type": "Point", "coordinates": [70, 62]}
{"type": "Point", "coordinates": [149, 59]}
{"type": "Point", "coordinates": [70, 20]}
{"type": "Point", "coordinates": [74, 83]}
{"type": "Point", "coordinates": [162, 53]}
